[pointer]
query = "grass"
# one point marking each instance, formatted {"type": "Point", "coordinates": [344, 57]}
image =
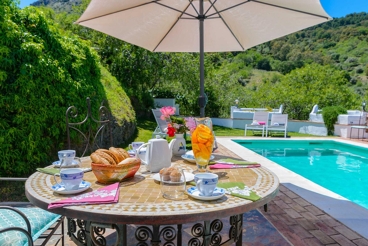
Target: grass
{"type": "Point", "coordinates": [14, 191]}
{"type": "Point", "coordinates": [146, 127]}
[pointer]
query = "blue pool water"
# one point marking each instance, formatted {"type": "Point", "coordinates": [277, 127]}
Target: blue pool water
{"type": "Point", "coordinates": [339, 167]}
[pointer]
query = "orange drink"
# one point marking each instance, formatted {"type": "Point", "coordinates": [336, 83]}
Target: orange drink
{"type": "Point", "coordinates": [202, 144]}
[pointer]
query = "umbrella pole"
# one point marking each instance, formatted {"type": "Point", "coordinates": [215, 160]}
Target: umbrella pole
{"type": "Point", "coordinates": [201, 99]}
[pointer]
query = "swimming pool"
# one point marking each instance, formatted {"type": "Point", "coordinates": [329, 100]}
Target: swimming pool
{"type": "Point", "coordinates": [339, 167]}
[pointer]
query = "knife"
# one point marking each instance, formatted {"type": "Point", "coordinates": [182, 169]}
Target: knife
{"type": "Point", "coordinates": [227, 166]}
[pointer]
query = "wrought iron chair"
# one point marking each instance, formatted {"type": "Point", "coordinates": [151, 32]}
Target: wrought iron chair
{"type": "Point", "coordinates": [91, 140]}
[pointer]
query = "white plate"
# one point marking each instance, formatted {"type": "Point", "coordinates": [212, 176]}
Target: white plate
{"type": "Point", "coordinates": [217, 194]}
{"type": "Point", "coordinates": [188, 177]}
{"type": "Point", "coordinates": [59, 188]}
{"type": "Point", "coordinates": [74, 164]}
{"type": "Point", "coordinates": [190, 157]}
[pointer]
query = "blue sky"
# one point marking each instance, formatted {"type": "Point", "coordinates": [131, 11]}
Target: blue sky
{"type": "Point", "coordinates": [335, 8]}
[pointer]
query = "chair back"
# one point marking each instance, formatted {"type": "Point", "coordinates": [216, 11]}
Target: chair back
{"type": "Point", "coordinates": [162, 124]}
{"type": "Point", "coordinates": [260, 116]}
{"type": "Point", "coordinates": [280, 119]}
{"type": "Point", "coordinates": [95, 133]}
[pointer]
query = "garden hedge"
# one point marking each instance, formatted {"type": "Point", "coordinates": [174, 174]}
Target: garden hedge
{"type": "Point", "coordinates": [43, 71]}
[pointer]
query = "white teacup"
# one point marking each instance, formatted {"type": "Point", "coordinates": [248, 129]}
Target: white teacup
{"type": "Point", "coordinates": [206, 183]}
{"type": "Point", "coordinates": [70, 178]}
{"type": "Point", "coordinates": [66, 155]}
{"type": "Point", "coordinates": [135, 145]}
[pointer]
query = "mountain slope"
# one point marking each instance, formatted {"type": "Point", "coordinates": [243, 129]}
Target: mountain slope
{"type": "Point", "coordinates": [58, 5]}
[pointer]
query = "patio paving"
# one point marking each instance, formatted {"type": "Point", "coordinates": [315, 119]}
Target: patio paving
{"type": "Point", "coordinates": [290, 220]}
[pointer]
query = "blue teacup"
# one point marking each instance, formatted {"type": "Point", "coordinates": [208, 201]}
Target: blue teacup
{"type": "Point", "coordinates": [206, 183]}
{"type": "Point", "coordinates": [66, 155]}
{"type": "Point", "coordinates": [70, 178]}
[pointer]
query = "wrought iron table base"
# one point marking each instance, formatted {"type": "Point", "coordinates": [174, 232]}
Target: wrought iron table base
{"type": "Point", "coordinates": [207, 233]}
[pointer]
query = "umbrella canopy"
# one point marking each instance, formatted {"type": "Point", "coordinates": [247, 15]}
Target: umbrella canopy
{"type": "Point", "coordinates": [201, 25]}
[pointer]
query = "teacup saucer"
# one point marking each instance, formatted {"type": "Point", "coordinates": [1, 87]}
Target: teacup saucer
{"type": "Point", "coordinates": [217, 193]}
{"type": "Point", "coordinates": [60, 188]}
{"type": "Point", "coordinates": [74, 164]}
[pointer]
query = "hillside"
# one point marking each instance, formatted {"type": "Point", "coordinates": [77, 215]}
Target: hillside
{"type": "Point", "coordinates": [254, 76]}
{"type": "Point", "coordinates": [342, 42]}
{"type": "Point", "coordinates": [58, 5]}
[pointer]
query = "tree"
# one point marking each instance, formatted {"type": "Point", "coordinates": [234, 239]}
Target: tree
{"type": "Point", "coordinates": [313, 84]}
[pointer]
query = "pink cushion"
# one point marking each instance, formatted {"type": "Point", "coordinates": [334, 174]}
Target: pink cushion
{"type": "Point", "coordinates": [262, 122]}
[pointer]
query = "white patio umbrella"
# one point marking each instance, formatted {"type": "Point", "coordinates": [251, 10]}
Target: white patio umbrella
{"type": "Point", "coordinates": [201, 25]}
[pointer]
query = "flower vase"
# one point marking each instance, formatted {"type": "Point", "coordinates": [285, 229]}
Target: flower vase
{"type": "Point", "coordinates": [179, 147]}
{"type": "Point", "coordinates": [202, 143]}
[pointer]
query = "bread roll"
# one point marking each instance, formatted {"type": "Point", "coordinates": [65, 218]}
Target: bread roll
{"type": "Point", "coordinates": [120, 156]}
{"type": "Point", "coordinates": [110, 153]}
{"type": "Point", "coordinates": [130, 160]}
{"type": "Point", "coordinates": [102, 158]}
{"type": "Point", "coordinates": [123, 152]}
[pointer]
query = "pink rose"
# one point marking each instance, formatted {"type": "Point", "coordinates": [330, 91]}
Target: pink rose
{"type": "Point", "coordinates": [167, 112]}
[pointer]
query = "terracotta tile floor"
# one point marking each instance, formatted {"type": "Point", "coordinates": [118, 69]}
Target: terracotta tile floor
{"type": "Point", "coordinates": [298, 222]}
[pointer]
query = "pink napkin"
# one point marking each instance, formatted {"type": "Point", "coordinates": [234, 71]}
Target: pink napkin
{"type": "Point", "coordinates": [227, 166]}
{"type": "Point", "coordinates": [108, 194]}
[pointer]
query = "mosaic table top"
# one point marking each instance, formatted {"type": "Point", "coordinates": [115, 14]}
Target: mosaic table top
{"type": "Point", "coordinates": [141, 201]}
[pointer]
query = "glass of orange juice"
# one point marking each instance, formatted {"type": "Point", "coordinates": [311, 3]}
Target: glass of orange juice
{"type": "Point", "coordinates": [202, 145]}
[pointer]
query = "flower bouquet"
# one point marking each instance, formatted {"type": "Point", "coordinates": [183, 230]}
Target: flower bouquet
{"type": "Point", "coordinates": [176, 125]}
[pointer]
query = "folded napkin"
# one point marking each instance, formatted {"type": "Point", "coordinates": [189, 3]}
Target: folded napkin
{"type": "Point", "coordinates": [56, 171]}
{"type": "Point", "coordinates": [239, 189]}
{"type": "Point", "coordinates": [229, 161]}
{"type": "Point", "coordinates": [107, 194]}
{"type": "Point", "coordinates": [228, 166]}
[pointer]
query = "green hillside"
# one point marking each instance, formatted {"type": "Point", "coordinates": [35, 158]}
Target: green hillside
{"type": "Point", "coordinates": [255, 76]}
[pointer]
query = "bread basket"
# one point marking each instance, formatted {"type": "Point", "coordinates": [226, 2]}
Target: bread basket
{"type": "Point", "coordinates": [107, 174]}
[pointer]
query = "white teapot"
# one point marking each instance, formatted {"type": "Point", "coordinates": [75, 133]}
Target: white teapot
{"type": "Point", "coordinates": [158, 154]}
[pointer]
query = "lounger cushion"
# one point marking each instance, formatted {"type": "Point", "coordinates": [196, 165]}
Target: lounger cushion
{"type": "Point", "coordinates": [39, 219]}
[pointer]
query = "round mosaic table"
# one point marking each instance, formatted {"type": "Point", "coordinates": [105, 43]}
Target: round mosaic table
{"type": "Point", "coordinates": [141, 203]}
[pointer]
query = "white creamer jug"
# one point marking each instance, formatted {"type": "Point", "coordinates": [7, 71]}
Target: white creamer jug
{"type": "Point", "coordinates": [158, 154]}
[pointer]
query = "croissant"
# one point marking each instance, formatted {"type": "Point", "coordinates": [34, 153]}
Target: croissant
{"type": "Point", "coordinates": [119, 153]}
{"type": "Point", "coordinates": [102, 158]}
{"type": "Point", "coordinates": [115, 156]}
{"type": "Point", "coordinates": [112, 156]}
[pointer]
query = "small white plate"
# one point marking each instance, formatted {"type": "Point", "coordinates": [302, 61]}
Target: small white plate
{"type": "Point", "coordinates": [74, 164]}
{"type": "Point", "coordinates": [59, 188]}
{"type": "Point", "coordinates": [190, 157]}
{"type": "Point", "coordinates": [188, 177]}
{"type": "Point", "coordinates": [217, 194]}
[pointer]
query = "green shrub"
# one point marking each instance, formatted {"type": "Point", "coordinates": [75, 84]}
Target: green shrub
{"type": "Point", "coordinates": [42, 73]}
{"type": "Point", "coordinates": [330, 115]}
